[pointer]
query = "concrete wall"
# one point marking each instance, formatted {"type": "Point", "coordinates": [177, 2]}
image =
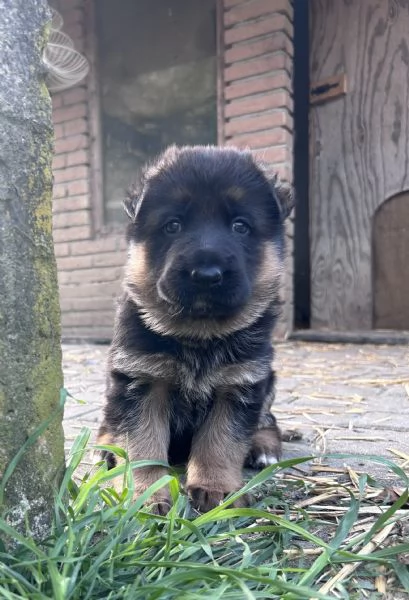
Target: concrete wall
{"type": "Point", "coordinates": [254, 110]}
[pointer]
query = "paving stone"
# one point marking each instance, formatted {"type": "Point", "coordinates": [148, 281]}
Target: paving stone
{"type": "Point", "coordinates": [341, 397]}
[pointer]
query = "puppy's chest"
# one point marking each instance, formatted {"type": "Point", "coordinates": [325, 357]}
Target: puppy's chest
{"type": "Point", "coordinates": [198, 374]}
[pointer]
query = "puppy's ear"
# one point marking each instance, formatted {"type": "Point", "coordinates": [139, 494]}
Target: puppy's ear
{"type": "Point", "coordinates": [282, 192]}
{"type": "Point", "coordinates": [131, 202]}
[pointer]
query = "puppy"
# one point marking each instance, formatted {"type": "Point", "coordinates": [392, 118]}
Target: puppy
{"type": "Point", "coordinates": [189, 368]}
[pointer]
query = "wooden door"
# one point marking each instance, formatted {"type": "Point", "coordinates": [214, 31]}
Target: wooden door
{"type": "Point", "coordinates": [359, 149]}
{"type": "Point", "coordinates": [391, 264]}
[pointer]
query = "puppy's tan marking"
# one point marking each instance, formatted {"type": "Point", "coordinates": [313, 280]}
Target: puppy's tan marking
{"type": "Point", "coordinates": [137, 271]}
{"type": "Point", "coordinates": [216, 461]}
{"type": "Point", "coordinates": [235, 193]}
{"type": "Point", "coordinates": [146, 436]}
{"type": "Point", "coordinates": [180, 193]}
{"type": "Point", "coordinates": [142, 365]}
{"type": "Point", "coordinates": [157, 316]}
{"type": "Point", "coordinates": [251, 371]}
{"type": "Point", "coordinates": [104, 438]}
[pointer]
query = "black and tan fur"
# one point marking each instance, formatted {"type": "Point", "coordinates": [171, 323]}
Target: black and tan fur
{"type": "Point", "coordinates": [189, 376]}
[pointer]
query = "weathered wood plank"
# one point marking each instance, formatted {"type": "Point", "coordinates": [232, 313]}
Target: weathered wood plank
{"type": "Point", "coordinates": [359, 149]}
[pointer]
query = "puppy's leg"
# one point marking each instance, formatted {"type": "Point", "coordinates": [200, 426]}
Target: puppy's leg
{"type": "Point", "coordinates": [219, 449]}
{"type": "Point", "coordinates": [145, 433]}
{"type": "Point", "coordinates": [265, 444]}
{"type": "Point", "coordinates": [104, 438]}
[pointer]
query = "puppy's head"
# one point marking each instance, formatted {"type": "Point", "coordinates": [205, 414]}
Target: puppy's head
{"type": "Point", "coordinates": [205, 241]}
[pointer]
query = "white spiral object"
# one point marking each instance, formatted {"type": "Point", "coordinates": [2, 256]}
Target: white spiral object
{"type": "Point", "coordinates": [66, 67]}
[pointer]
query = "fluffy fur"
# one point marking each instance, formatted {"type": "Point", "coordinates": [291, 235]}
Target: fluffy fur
{"type": "Point", "coordinates": [189, 370]}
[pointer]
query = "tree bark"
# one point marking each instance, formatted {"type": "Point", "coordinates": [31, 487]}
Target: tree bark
{"type": "Point", "coordinates": [30, 351]}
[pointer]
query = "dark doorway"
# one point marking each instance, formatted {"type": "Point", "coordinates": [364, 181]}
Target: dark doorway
{"type": "Point", "coordinates": [301, 166]}
{"type": "Point", "coordinates": [391, 264]}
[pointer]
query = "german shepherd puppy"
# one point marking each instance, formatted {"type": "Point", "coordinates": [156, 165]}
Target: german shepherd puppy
{"type": "Point", "coordinates": [189, 368]}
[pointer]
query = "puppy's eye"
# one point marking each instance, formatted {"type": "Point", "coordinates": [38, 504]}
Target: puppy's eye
{"type": "Point", "coordinates": [173, 227]}
{"type": "Point", "coordinates": [240, 227]}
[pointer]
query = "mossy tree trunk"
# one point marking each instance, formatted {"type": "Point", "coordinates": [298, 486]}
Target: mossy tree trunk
{"type": "Point", "coordinates": [30, 352]}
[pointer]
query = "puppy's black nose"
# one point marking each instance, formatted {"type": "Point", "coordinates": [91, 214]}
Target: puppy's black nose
{"type": "Point", "coordinates": [207, 275]}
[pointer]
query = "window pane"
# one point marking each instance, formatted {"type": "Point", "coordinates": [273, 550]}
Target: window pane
{"type": "Point", "coordinates": [157, 68]}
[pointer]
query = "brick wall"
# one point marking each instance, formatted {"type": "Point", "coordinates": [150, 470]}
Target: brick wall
{"type": "Point", "coordinates": [255, 111]}
{"type": "Point", "coordinates": [256, 96]}
{"type": "Point", "coordinates": [89, 261]}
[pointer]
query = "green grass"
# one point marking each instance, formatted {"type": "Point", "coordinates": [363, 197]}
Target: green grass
{"type": "Point", "coordinates": [287, 545]}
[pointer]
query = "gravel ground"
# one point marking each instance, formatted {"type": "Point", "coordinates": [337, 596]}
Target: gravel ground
{"type": "Point", "coordinates": [337, 397]}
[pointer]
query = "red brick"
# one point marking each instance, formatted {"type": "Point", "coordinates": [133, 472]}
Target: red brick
{"type": "Point", "coordinates": [77, 188]}
{"type": "Point", "coordinates": [272, 43]}
{"type": "Point", "coordinates": [80, 47]}
{"type": "Point", "coordinates": [276, 118]}
{"type": "Point", "coordinates": [255, 104]}
{"type": "Point", "coordinates": [56, 100]}
{"type": "Point", "coordinates": [58, 132]}
{"type": "Point", "coordinates": [71, 263]}
{"type": "Point", "coordinates": [74, 95]}
{"type": "Point", "coordinates": [68, 5]}
{"type": "Point", "coordinates": [264, 83]}
{"type": "Point", "coordinates": [284, 171]}
{"type": "Point", "coordinates": [75, 126]}
{"type": "Point", "coordinates": [59, 190]}
{"type": "Point", "coordinates": [276, 155]}
{"type": "Point", "coordinates": [257, 8]}
{"type": "Point", "coordinates": [76, 33]}
{"type": "Point", "coordinates": [102, 332]}
{"type": "Point", "coordinates": [58, 162]}
{"type": "Point", "coordinates": [261, 139]}
{"type": "Point", "coordinates": [72, 233]}
{"type": "Point", "coordinates": [90, 275]}
{"type": "Point", "coordinates": [277, 22]}
{"type": "Point", "coordinates": [122, 243]}
{"type": "Point", "coordinates": [109, 259]}
{"type": "Point", "coordinates": [107, 244]}
{"type": "Point", "coordinates": [229, 3]}
{"type": "Point", "coordinates": [79, 157]}
{"type": "Point", "coordinates": [71, 173]}
{"type": "Point", "coordinates": [61, 250]}
{"type": "Point", "coordinates": [78, 217]}
{"type": "Point", "coordinates": [280, 61]}
{"type": "Point", "coordinates": [109, 289]}
{"type": "Point", "coordinates": [86, 304]}
{"type": "Point", "coordinates": [87, 318]}
{"type": "Point", "coordinates": [70, 113]}
{"type": "Point", "coordinates": [86, 261]}
{"type": "Point", "coordinates": [71, 204]}
{"type": "Point", "coordinates": [70, 144]}
{"type": "Point", "coordinates": [73, 16]}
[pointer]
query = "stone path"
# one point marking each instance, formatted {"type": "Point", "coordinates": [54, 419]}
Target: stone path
{"type": "Point", "coordinates": [340, 398]}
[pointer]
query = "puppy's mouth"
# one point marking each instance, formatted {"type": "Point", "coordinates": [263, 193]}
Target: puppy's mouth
{"type": "Point", "coordinates": [202, 308]}
{"type": "Point", "coordinates": [205, 305]}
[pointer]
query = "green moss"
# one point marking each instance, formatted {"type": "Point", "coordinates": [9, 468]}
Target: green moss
{"type": "Point", "coordinates": [30, 359]}
{"type": "Point", "coordinates": [46, 374]}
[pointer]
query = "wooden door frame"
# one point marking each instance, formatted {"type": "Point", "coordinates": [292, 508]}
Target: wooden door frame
{"type": "Point", "coordinates": [301, 87]}
{"type": "Point", "coordinates": [301, 180]}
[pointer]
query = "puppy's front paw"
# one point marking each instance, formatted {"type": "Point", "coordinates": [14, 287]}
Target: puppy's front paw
{"type": "Point", "coordinates": [265, 448]}
{"type": "Point", "coordinates": [159, 504]}
{"type": "Point", "coordinates": [204, 499]}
